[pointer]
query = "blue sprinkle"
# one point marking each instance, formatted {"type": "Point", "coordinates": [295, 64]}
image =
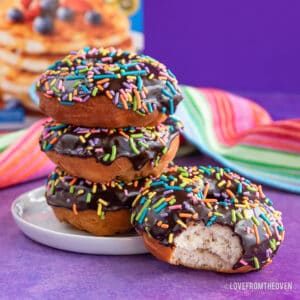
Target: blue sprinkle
{"type": "Point", "coordinates": [171, 87]}
{"type": "Point", "coordinates": [74, 77]}
{"type": "Point", "coordinates": [170, 73]}
{"type": "Point", "coordinates": [67, 103]}
{"type": "Point", "coordinates": [48, 147]}
{"type": "Point", "coordinates": [163, 110]}
{"type": "Point", "coordinates": [188, 189]}
{"type": "Point", "coordinates": [211, 221]}
{"type": "Point", "coordinates": [222, 203]}
{"type": "Point", "coordinates": [143, 216]}
{"type": "Point", "coordinates": [157, 183]}
{"type": "Point", "coordinates": [280, 228]}
{"type": "Point", "coordinates": [85, 88]}
{"type": "Point", "coordinates": [134, 73]}
{"type": "Point", "coordinates": [161, 207]}
{"type": "Point", "coordinates": [139, 83]}
{"type": "Point", "coordinates": [239, 188]}
{"type": "Point", "coordinates": [171, 103]}
{"type": "Point", "coordinates": [143, 200]}
{"type": "Point", "coordinates": [103, 76]}
{"type": "Point", "coordinates": [149, 106]}
{"type": "Point", "coordinates": [166, 93]}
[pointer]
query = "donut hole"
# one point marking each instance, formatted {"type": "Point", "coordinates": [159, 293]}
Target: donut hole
{"type": "Point", "coordinates": [214, 248]}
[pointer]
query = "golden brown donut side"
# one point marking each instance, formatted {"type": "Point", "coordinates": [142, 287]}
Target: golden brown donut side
{"type": "Point", "coordinates": [114, 222]}
{"type": "Point", "coordinates": [121, 168]}
{"type": "Point", "coordinates": [108, 115]}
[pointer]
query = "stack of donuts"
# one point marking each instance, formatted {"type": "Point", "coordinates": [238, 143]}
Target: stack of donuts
{"type": "Point", "coordinates": [113, 136]}
{"type": "Point", "coordinates": [112, 126]}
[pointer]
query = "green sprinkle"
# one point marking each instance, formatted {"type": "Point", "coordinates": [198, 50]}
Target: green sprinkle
{"type": "Point", "coordinates": [102, 216]}
{"type": "Point", "coordinates": [233, 216]}
{"type": "Point", "coordinates": [72, 188]}
{"type": "Point", "coordinates": [251, 188]}
{"type": "Point", "coordinates": [113, 153]}
{"type": "Point", "coordinates": [256, 263]}
{"type": "Point", "coordinates": [52, 189]}
{"type": "Point", "coordinates": [239, 215]}
{"type": "Point", "coordinates": [218, 214]}
{"type": "Point", "coordinates": [143, 144]}
{"type": "Point", "coordinates": [173, 201]}
{"type": "Point", "coordinates": [146, 204]}
{"type": "Point", "coordinates": [106, 157]}
{"type": "Point", "coordinates": [133, 146]}
{"type": "Point", "coordinates": [254, 220]}
{"type": "Point", "coordinates": [165, 150]}
{"type": "Point", "coordinates": [95, 91]}
{"type": "Point", "coordinates": [88, 197]}
{"type": "Point", "coordinates": [159, 202]}
{"type": "Point", "coordinates": [137, 135]}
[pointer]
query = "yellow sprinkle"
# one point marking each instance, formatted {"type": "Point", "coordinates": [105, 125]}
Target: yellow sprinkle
{"type": "Point", "coordinates": [83, 140]}
{"type": "Point", "coordinates": [181, 223]}
{"type": "Point", "coordinates": [99, 209]}
{"type": "Point", "coordinates": [105, 203]}
{"type": "Point", "coordinates": [170, 238]}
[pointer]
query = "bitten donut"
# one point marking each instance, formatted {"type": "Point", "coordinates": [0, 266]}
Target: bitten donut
{"type": "Point", "coordinates": [101, 209]}
{"type": "Point", "coordinates": [99, 154]}
{"type": "Point", "coordinates": [108, 88]}
{"type": "Point", "coordinates": [208, 218]}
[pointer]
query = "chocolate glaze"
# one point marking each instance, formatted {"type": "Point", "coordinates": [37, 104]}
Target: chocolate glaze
{"type": "Point", "coordinates": [144, 83]}
{"type": "Point", "coordinates": [100, 143]}
{"type": "Point", "coordinates": [65, 191]}
{"type": "Point", "coordinates": [232, 195]}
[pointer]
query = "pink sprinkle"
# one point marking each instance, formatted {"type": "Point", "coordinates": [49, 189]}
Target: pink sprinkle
{"type": "Point", "coordinates": [243, 262]}
{"type": "Point", "coordinates": [77, 99]}
{"type": "Point", "coordinates": [126, 192]}
{"type": "Point", "coordinates": [173, 207]}
{"type": "Point", "coordinates": [98, 150]}
{"type": "Point", "coordinates": [49, 92]}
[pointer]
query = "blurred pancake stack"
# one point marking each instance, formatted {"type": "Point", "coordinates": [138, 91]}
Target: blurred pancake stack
{"type": "Point", "coordinates": [36, 33]}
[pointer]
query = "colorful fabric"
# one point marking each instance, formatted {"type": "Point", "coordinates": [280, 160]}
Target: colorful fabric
{"type": "Point", "coordinates": [236, 132]}
{"type": "Point", "coordinates": [241, 135]}
{"type": "Point", "coordinates": [22, 160]}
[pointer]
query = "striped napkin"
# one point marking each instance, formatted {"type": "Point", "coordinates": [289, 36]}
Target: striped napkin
{"type": "Point", "coordinates": [22, 159]}
{"type": "Point", "coordinates": [241, 135]}
{"type": "Point", "coordinates": [235, 131]}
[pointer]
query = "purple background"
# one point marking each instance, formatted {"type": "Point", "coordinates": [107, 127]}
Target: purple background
{"type": "Point", "coordinates": [236, 45]}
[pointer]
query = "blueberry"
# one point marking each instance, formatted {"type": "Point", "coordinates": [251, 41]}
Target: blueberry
{"type": "Point", "coordinates": [65, 14]}
{"type": "Point", "coordinates": [43, 25]}
{"type": "Point", "coordinates": [48, 7]}
{"type": "Point", "coordinates": [15, 15]}
{"type": "Point", "coordinates": [93, 17]}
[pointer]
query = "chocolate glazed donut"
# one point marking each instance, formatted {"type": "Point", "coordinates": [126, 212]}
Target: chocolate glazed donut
{"type": "Point", "coordinates": [100, 154]}
{"type": "Point", "coordinates": [101, 209]}
{"type": "Point", "coordinates": [208, 218]}
{"type": "Point", "coordinates": [108, 88]}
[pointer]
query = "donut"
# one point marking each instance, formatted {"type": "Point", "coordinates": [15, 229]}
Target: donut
{"type": "Point", "coordinates": [208, 218]}
{"type": "Point", "coordinates": [108, 88]}
{"type": "Point", "coordinates": [101, 209]}
{"type": "Point", "coordinates": [101, 155]}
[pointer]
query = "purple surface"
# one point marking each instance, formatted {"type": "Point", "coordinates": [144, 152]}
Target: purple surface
{"type": "Point", "coordinates": [30, 270]}
{"type": "Point", "coordinates": [248, 45]}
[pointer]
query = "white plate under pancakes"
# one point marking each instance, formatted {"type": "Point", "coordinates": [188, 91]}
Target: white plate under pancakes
{"type": "Point", "coordinates": [37, 221]}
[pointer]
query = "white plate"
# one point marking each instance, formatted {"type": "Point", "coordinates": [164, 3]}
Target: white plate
{"type": "Point", "coordinates": [36, 219]}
